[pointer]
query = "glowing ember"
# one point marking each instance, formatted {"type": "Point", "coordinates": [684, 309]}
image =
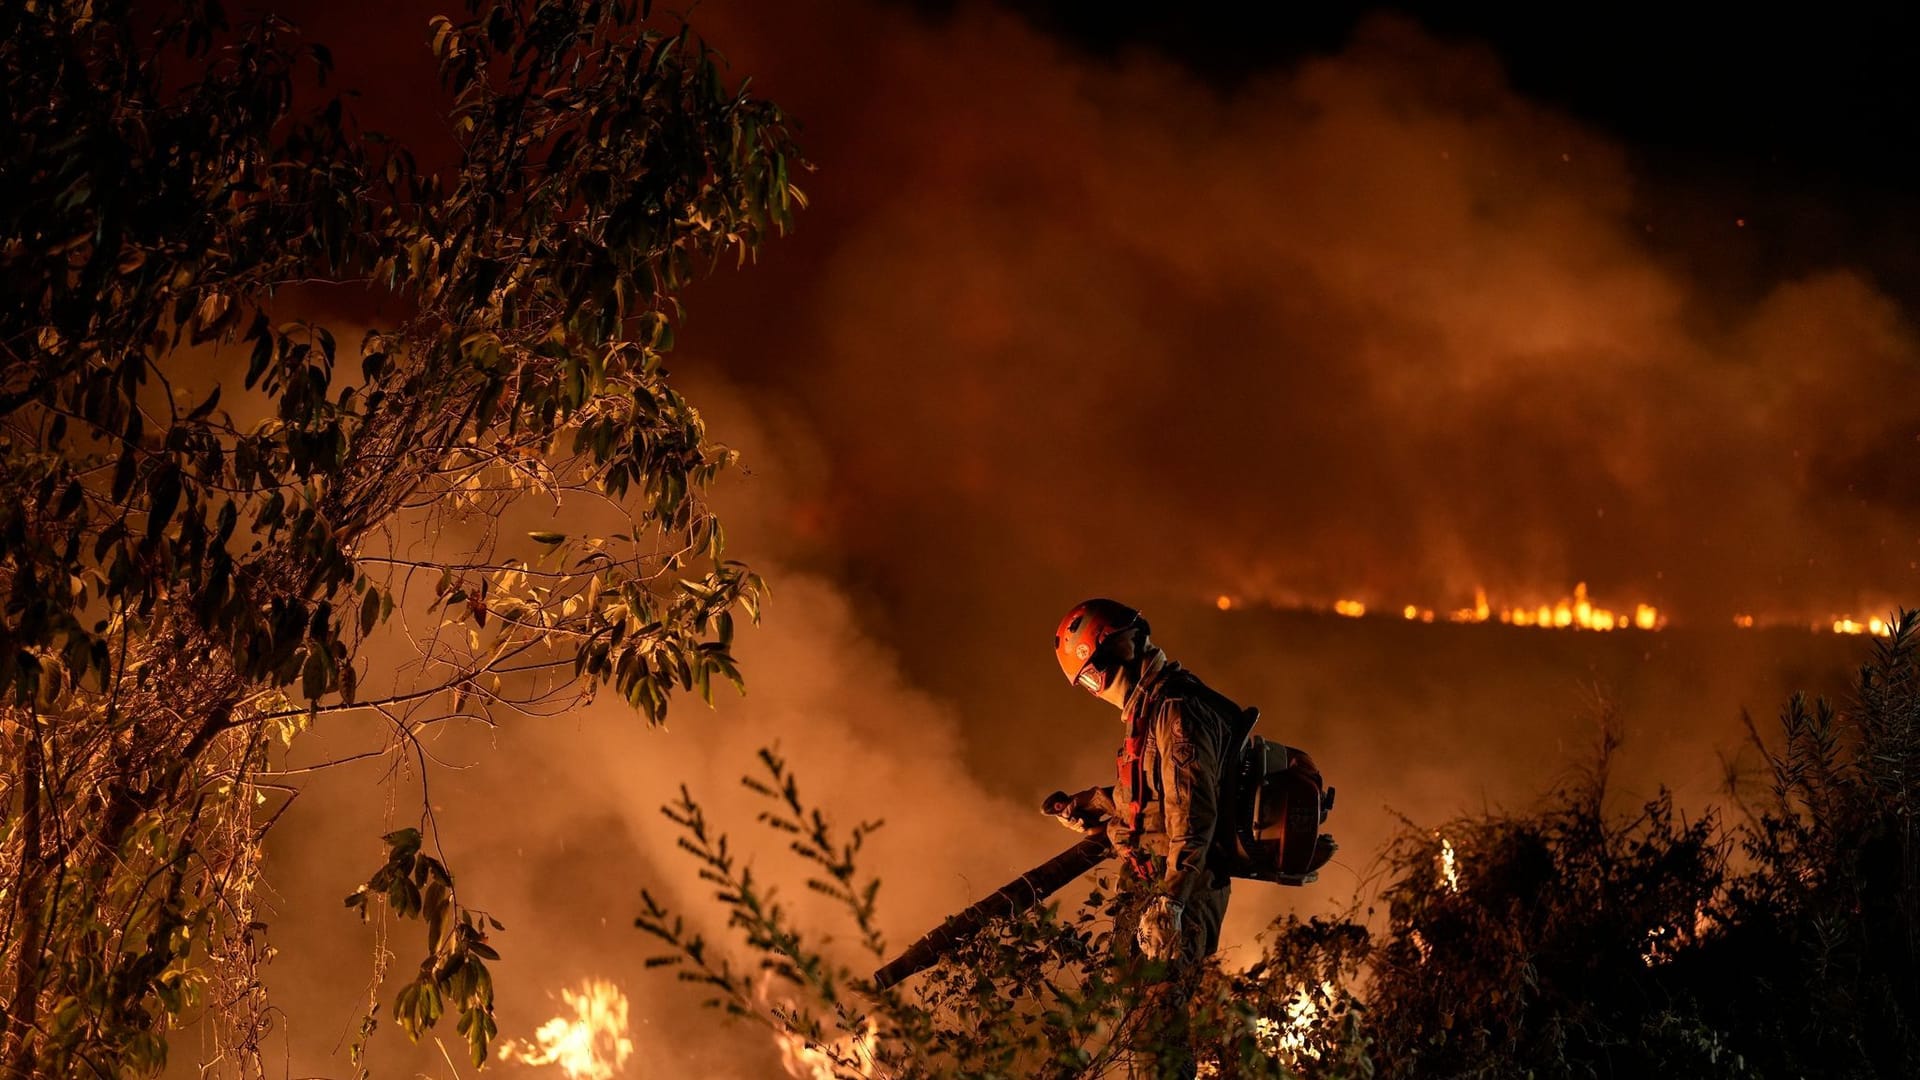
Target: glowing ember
{"type": "Point", "coordinates": [1663, 943]}
{"type": "Point", "coordinates": [1352, 609]}
{"type": "Point", "coordinates": [851, 1056]}
{"type": "Point", "coordinates": [592, 1045]}
{"type": "Point", "coordinates": [1449, 872]}
{"type": "Point", "coordinates": [1652, 952]}
{"type": "Point", "coordinates": [1224, 603]}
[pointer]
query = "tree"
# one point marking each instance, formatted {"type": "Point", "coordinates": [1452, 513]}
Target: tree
{"type": "Point", "coordinates": [1567, 940]}
{"type": "Point", "coordinates": [192, 574]}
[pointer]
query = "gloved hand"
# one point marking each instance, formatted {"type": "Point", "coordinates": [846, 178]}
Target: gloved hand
{"type": "Point", "coordinates": [1159, 931]}
{"type": "Point", "coordinates": [1075, 811]}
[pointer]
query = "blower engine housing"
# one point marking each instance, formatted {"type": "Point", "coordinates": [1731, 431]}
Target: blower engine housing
{"type": "Point", "coordinates": [1279, 802]}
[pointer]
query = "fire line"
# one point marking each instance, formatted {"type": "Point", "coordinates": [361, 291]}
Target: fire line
{"type": "Point", "coordinates": [1578, 611]}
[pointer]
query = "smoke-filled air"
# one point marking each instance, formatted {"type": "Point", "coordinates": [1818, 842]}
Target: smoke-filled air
{"type": "Point", "coordinates": [1372, 381]}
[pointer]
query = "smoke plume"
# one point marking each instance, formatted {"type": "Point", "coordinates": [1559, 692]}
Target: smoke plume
{"type": "Point", "coordinates": [1374, 326]}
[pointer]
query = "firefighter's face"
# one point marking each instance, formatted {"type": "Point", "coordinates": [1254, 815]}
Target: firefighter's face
{"type": "Point", "coordinates": [1115, 692]}
{"type": "Point", "coordinates": [1101, 677]}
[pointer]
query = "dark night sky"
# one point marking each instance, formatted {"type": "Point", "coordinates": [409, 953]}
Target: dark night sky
{"type": "Point", "coordinates": [1807, 99]}
{"type": "Point", "coordinates": [1806, 123]}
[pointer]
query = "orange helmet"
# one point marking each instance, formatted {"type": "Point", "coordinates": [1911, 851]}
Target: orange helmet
{"type": "Point", "coordinates": [1082, 633]}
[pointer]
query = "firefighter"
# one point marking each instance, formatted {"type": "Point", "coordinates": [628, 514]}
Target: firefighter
{"type": "Point", "coordinates": [1165, 805]}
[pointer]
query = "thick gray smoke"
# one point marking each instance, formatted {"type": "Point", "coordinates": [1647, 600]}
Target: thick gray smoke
{"type": "Point", "coordinates": [1376, 327]}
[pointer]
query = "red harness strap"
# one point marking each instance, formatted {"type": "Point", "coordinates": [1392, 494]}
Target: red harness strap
{"type": "Point", "coordinates": [1132, 767]}
{"type": "Point", "coordinates": [1132, 774]}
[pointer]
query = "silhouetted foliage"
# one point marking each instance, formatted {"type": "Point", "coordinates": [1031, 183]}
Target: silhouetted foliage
{"type": "Point", "coordinates": [1572, 940]}
{"type": "Point", "coordinates": [192, 574]}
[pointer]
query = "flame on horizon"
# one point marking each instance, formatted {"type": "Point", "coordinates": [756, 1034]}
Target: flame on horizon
{"type": "Point", "coordinates": [1578, 611]}
{"type": "Point", "coordinates": [1876, 626]}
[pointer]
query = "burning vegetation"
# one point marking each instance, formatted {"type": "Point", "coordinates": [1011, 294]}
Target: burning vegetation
{"type": "Point", "coordinates": [1775, 940]}
{"type": "Point", "coordinates": [591, 1044]}
{"type": "Point", "coordinates": [196, 577]}
{"type": "Point", "coordinates": [1578, 611]}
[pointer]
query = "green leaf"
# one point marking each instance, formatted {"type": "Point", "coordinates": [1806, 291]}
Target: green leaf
{"type": "Point", "coordinates": [313, 674]}
{"type": "Point", "coordinates": [201, 410]}
{"type": "Point", "coordinates": [164, 491]}
{"type": "Point", "coordinates": [369, 610]}
{"type": "Point", "coordinates": [123, 473]}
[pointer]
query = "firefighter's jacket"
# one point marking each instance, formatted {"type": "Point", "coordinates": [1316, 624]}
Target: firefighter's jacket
{"type": "Point", "coordinates": [1166, 801]}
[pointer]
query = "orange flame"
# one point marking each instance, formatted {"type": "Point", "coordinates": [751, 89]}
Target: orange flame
{"type": "Point", "coordinates": [848, 1056]}
{"type": "Point", "coordinates": [1876, 626]}
{"type": "Point", "coordinates": [1576, 612]}
{"type": "Point", "coordinates": [592, 1045]}
{"type": "Point", "coordinates": [1838, 624]}
{"type": "Point", "coordinates": [851, 1056]}
{"type": "Point", "coordinates": [1289, 1037]}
